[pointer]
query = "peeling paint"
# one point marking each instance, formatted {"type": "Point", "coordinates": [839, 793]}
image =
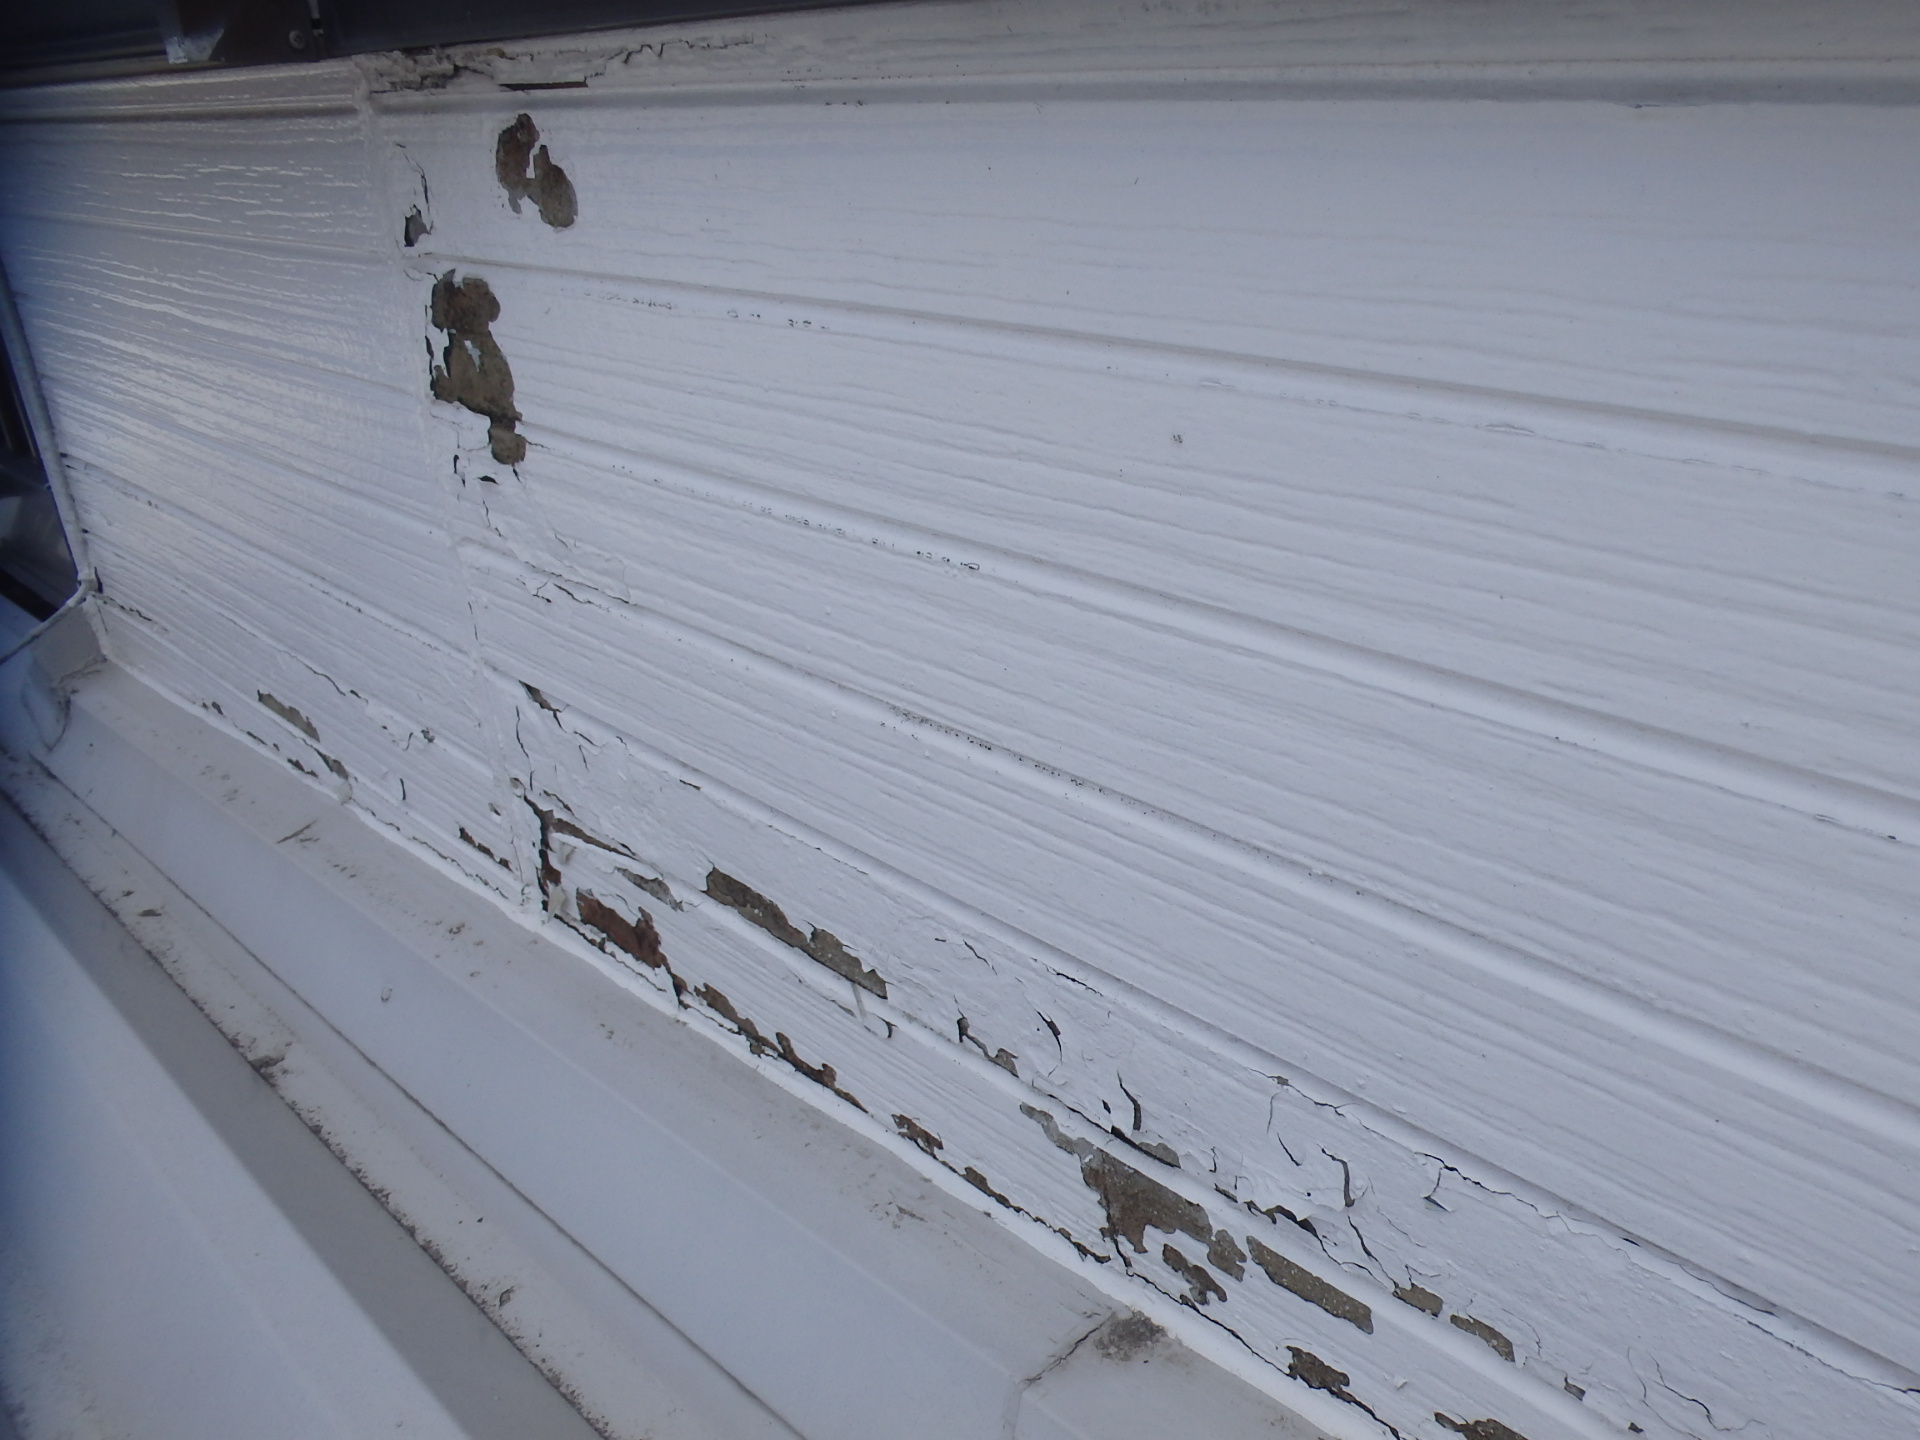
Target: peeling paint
{"type": "Point", "coordinates": [1002, 1057]}
{"type": "Point", "coordinates": [563, 826]}
{"type": "Point", "coordinates": [820, 945]}
{"type": "Point", "coordinates": [1133, 1201]}
{"type": "Point", "coordinates": [780, 1046]}
{"type": "Point", "coordinates": [924, 1138]}
{"type": "Point", "coordinates": [1224, 1254]}
{"type": "Point", "coordinates": [979, 1182]}
{"type": "Point", "coordinates": [635, 937]}
{"type": "Point", "coordinates": [1419, 1297]}
{"type": "Point", "coordinates": [529, 174]}
{"type": "Point", "coordinates": [1480, 1330]}
{"type": "Point", "coordinates": [1309, 1369]}
{"type": "Point", "coordinates": [1481, 1429]}
{"type": "Point", "coordinates": [1563, 1290]}
{"type": "Point", "coordinates": [1310, 1287]}
{"type": "Point", "coordinates": [1201, 1286]}
{"type": "Point", "coordinates": [287, 713]}
{"type": "Point", "coordinates": [473, 372]}
{"type": "Point", "coordinates": [1158, 1149]}
{"type": "Point", "coordinates": [653, 885]}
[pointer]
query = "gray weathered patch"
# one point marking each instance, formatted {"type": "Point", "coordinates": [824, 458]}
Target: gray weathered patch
{"type": "Point", "coordinates": [1128, 1337]}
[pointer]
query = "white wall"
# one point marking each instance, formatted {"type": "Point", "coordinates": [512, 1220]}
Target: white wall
{"type": "Point", "coordinates": [1331, 587]}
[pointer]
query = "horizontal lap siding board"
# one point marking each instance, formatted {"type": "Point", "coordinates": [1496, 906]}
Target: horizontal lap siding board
{"type": "Point", "coordinates": [1363, 643]}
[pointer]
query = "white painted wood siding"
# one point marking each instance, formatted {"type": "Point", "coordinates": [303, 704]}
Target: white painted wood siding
{"type": "Point", "coordinates": [1332, 590]}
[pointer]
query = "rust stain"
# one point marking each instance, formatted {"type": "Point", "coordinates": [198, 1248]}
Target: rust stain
{"type": "Point", "coordinates": [1310, 1287]}
{"type": "Point", "coordinates": [529, 174]}
{"type": "Point", "coordinates": [473, 372]}
{"type": "Point", "coordinates": [820, 945]}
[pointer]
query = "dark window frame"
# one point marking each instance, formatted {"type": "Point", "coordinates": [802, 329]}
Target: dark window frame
{"type": "Point", "coordinates": [88, 39]}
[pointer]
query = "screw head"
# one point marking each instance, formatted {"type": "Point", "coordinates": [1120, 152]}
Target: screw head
{"type": "Point", "coordinates": [297, 39]}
